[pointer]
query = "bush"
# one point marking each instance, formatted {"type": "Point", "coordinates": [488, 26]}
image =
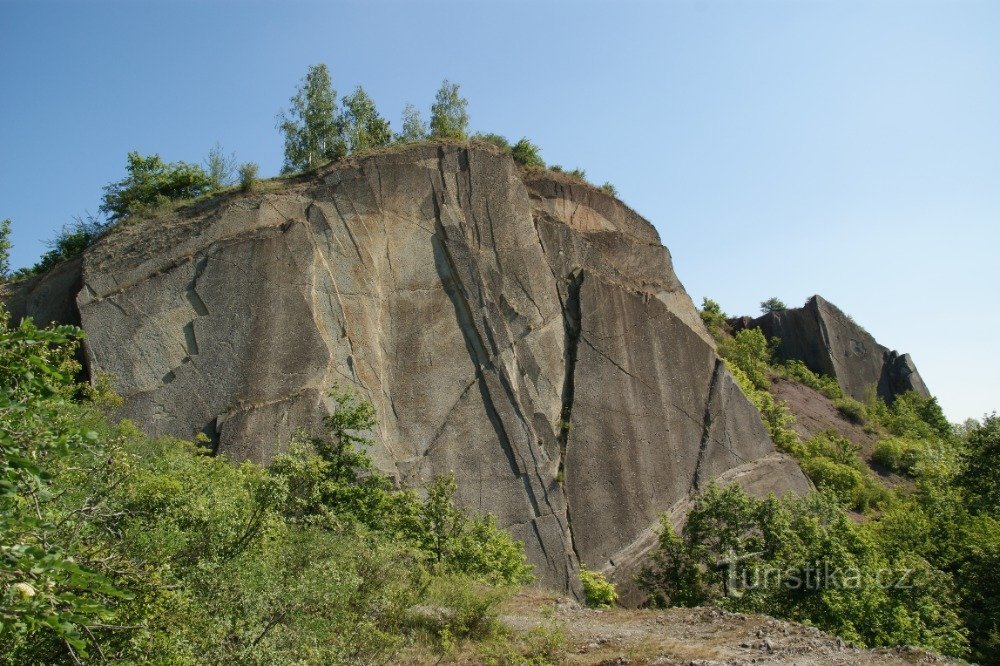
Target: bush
{"type": "Point", "coordinates": [70, 243]}
{"type": "Point", "coordinates": [749, 351]}
{"type": "Point", "coordinates": [609, 188]}
{"type": "Point", "coordinates": [248, 176]}
{"type": "Point", "coordinates": [899, 454]}
{"type": "Point", "coordinates": [799, 372]}
{"type": "Point", "coordinates": [496, 139]}
{"type": "Point", "coordinates": [151, 183]}
{"type": "Point", "coordinates": [578, 174]}
{"type": "Point", "coordinates": [597, 589]}
{"type": "Point", "coordinates": [751, 555]}
{"type": "Point", "coordinates": [527, 155]}
{"type": "Point", "coordinates": [852, 409]}
{"type": "Point", "coordinates": [714, 318]}
{"type": "Point", "coordinates": [413, 127]}
{"type": "Point", "coordinates": [116, 545]}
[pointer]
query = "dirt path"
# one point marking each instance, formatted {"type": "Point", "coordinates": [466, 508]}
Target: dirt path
{"type": "Point", "coordinates": [692, 637]}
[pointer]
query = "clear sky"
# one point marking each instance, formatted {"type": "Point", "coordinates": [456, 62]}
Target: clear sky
{"type": "Point", "coordinates": [850, 149]}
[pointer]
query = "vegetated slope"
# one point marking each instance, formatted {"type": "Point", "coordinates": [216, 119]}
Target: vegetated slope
{"type": "Point", "coordinates": [523, 330]}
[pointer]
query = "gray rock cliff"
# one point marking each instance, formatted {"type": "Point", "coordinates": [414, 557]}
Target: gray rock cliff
{"type": "Point", "coordinates": [524, 331]}
{"type": "Point", "coordinates": [829, 342]}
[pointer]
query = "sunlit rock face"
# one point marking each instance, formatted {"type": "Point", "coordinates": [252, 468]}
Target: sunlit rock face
{"type": "Point", "coordinates": [524, 331]}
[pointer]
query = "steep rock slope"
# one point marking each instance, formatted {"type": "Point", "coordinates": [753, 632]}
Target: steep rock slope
{"type": "Point", "coordinates": [829, 342]}
{"type": "Point", "coordinates": [526, 332]}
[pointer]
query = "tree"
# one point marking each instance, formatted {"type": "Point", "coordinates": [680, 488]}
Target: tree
{"type": "Point", "coordinates": [152, 182]}
{"type": "Point", "coordinates": [312, 131]}
{"type": "Point", "coordinates": [449, 117]}
{"type": "Point", "coordinates": [363, 126]}
{"type": "Point", "coordinates": [5, 246]}
{"type": "Point", "coordinates": [713, 316]}
{"type": "Point", "coordinates": [772, 305]}
{"type": "Point", "coordinates": [221, 168]}
{"type": "Point", "coordinates": [414, 127]}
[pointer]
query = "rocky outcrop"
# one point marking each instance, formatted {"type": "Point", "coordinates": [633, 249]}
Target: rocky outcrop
{"type": "Point", "coordinates": [829, 342]}
{"type": "Point", "coordinates": [526, 332]}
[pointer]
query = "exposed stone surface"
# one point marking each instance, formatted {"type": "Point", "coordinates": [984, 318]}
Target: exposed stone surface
{"type": "Point", "coordinates": [829, 342]}
{"type": "Point", "coordinates": [526, 332]}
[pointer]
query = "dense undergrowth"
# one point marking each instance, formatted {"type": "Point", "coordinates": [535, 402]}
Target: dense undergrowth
{"type": "Point", "coordinates": [922, 567]}
{"type": "Point", "coordinates": [116, 547]}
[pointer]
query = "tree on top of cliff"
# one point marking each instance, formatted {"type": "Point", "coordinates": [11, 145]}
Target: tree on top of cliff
{"type": "Point", "coordinates": [313, 132]}
{"type": "Point", "coordinates": [449, 117]}
{"type": "Point", "coordinates": [363, 126]}
{"type": "Point", "coordinates": [773, 304]}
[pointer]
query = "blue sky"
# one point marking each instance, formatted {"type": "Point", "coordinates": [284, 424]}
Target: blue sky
{"type": "Point", "coordinates": [850, 149]}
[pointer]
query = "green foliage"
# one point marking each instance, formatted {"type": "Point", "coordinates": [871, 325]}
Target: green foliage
{"type": "Point", "coordinates": [413, 127]}
{"type": "Point", "coordinates": [449, 114]}
{"type": "Point", "coordinates": [851, 409]}
{"type": "Point", "coordinates": [527, 154]}
{"type": "Point", "coordinates": [609, 188]}
{"type": "Point", "coordinates": [773, 304]}
{"type": "Point", "coordinates": [151, 183]}
{"type": "Point", "coordinates": [597, 589]}
{"type": "Point", "coordinates": [714, 318]}
{"type": "Point", "coordinates": [43, 587]}
{"type": "Point", "coordinates": [980, 476]}
{"type": "Point", "coordinates": [248, 176]}
{"type": "Point", "coordinates": [578, 174]}
{"type": "Point", "coordinates": [799, 372]}
{"type": "Point", "coordinates": [313, 133]}
{"type": "Point", "coordinates": [70, 243]}
{"type": "Point", "coordinates": [805, 560]}
{"type": "Point", "coordinates": [5, 247]}
{"type": "Point", "coordinates": [497, 140]}
{"type": "Point", "coordinates": [833, 464]}
{"type": "Point", "coordinates": [220, 167]}
{"type": "Point", "coordinates": [899, 454]}
{"type": "Point", "coordinates": [749, 351]}
{"type": "Point", "coordinates": [115, 545]}
{"type": "Point", "coordinates": [362, 125]}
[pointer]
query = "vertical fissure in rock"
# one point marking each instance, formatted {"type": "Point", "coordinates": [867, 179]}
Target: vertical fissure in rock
{"type": "Point", "coordinates": [571, 326]}
{"type": "Point", "coordinates": [477, 352]}
{"type": "Point", "coordinates": [706, 432]}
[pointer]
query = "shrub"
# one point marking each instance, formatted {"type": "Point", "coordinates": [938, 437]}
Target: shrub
{"type": "Point", "coordinates": [578, 174]}
{"type": "Point", "coordinates": [556, 167]}
{"type": "Point", "coordinates": [852, 409]}
{"type": "Point", "coordinates": [798, 371]}
{"type": "Point", "coordinates": [527, 155]}
{"type": "Point", "coordinates": [248, 176]}
{"type": "Point", "coordinates": [749, 351]}
{"type": "Point", "coordinates": [70, 243]}
{"type": "Point", "coordinates": [899, 454]}
{"type": "Point", "coordinates": [597, 589]}
{"type": "Point", "coordinates": [150, 183]}
{"type": "Point", "coordinates": [496, 139]}
{"type": "Point", "coordinates": [714, 318]}
{"type": "Point", "coordinates": [609, 188]}
{"type": "Point", "coordinates": [772, 305]}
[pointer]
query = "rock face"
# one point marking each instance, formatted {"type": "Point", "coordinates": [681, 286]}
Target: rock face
{"type": "Point", "coordinates": [526, 332]}
{"type": "Point", "coordinates": [829, 342]}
